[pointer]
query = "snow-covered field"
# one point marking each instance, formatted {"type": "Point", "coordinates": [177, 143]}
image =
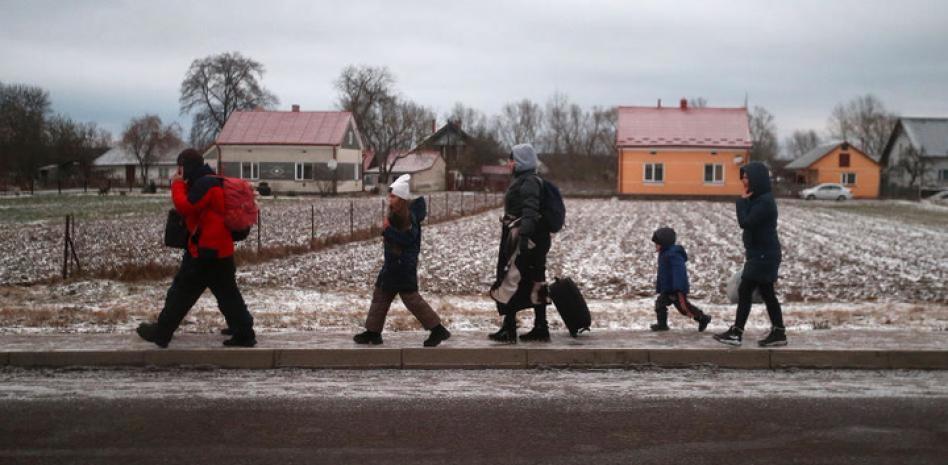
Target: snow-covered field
{"type": "Point", "coordinates": [119, 231]}
{"type": "Point", "coordinates": [853, 265]}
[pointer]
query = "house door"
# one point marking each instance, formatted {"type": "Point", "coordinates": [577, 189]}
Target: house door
{"type": "Point", "coordinates": [130, 174]}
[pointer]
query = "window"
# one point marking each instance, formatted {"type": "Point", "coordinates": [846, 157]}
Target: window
{"type": "Point", "coordinates": [304, 171]}
{"type": "Point", "coordinates": [829, 188]}
{"type": "Point", "coordinates": [847, 179]}
{"type": "Point", "coordinates": [654, 172]}
{"type": "Point", "coordinates": [844, 160]}
{"type": "Point", "coordinates": [943, 175]}
{"type": "Point", "coordinates": [163, 172]}
{"type": "Point", "coordinates": [250, 170]}
{"type": "Point", "coordinates": [713, 174]}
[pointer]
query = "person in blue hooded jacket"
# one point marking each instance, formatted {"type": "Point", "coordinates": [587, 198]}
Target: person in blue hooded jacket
{"type": "Point", "coordinates": [399, 274]}
{"type": "Point", "coordinates": [672, 281]}
{"type": "Point", "coordinates": [757, 217]}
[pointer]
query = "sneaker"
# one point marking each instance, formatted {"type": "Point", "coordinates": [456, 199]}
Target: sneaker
{"type": "Point", "coordinates": [703, 323]}
{"type": "Point", "coordinates": [776, 337]}
{"type": "Point", "coordinates": [368, 337]}
{"type": "Point", "coordinates": [149, 332]}
{"type": "Point", "coordinates": [731, 337]}
{"type": "Point", "coordinates": [438, 334]}
{"type": "Point", "coordinates": [537, 334]}
{"type": "Point", "coordinates": [659, 327]}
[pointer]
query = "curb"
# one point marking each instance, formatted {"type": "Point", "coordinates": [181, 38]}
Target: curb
{"type": "Point", "coordinates": [490, 358]}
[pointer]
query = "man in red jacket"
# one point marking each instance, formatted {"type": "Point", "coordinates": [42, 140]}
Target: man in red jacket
{"type": "Point", "coordinates": [198, 196]}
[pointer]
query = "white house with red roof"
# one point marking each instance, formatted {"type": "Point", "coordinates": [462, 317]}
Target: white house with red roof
{"type": "Point", "coordinates": [292, 151]}
{"type": "Point", "coordinates": [681, 151]}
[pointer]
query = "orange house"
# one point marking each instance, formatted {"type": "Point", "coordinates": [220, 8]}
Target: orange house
{"type": "Point", "coordinates": [840, 163]}
{"type": "Point", "coordinates": [681, 151]}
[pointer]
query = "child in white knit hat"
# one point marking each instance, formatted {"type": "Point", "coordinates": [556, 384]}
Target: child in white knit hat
{"type": "Point", "coordinates": [399, 274]}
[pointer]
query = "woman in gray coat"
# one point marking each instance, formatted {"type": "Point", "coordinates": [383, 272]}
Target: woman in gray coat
{"type": "Point", "coordinates": [757, 216]}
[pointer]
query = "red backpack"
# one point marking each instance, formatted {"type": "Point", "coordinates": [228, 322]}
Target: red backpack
{"type": "Point", "coordinates": [240, 207]}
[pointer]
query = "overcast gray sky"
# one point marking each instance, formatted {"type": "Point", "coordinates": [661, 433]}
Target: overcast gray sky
{"type": "Point", "coordinates": [107, 61]}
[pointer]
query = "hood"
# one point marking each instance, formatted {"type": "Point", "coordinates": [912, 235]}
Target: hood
{"type": "Point", "coordinates": [419, 209]}
{"type": "Point", "coordinates": [758, 176]}
{"type": "Point", "coordinates": [525, 158]}
{"type": "Point", "coordinates": [675, 250]}
{"type": "Point", "coordinates": [664, 237]}
{"type": "Point", "coordinates": [195, 173]}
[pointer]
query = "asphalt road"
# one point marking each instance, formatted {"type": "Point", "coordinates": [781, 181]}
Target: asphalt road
{"type": "Point", "coordinates": [545, 430]}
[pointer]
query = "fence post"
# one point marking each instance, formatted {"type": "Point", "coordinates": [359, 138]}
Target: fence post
{"type": "Point", "coordinates": [427, 218]}
{"type": "Point", "coordinates": [462, 203]}
{"type": "Point", "coordinates": [447, 206]}
{"type": "Point", "coordinates": [351, 217]}
{"type": "Point", "coordinates": [312, 224]}
{"type": "Point", "coordinates": [66, 250]}
{"type": "Point", "coordinates": [259, 227]}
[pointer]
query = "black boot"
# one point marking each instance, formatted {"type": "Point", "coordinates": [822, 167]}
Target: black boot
{"type": "Point", "coordinates": [149, 332]}
{"type": "Point", "coordinates": [438, 333]}
{"type": "Point", "coordinates": [227, 332]}
{"type": "Point", "coordinates": [368, 337]}
{"type": "Point", "coordinates": [662, 324]}
{"type": "Point", "coordinates": [537, 334]}
{"type": "Point", "coordinates": [777, 337]}
{"type": "Point", "coordinates": [242, 339]}
{"type": "Point", "coordinates": [731, 337]}
{"type": "Point", "coordinates": [703, 321]}
{"type": "Point", "coordinates": [508, 333]}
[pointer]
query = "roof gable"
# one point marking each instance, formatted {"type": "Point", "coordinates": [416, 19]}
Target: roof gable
{"type": "Point", "coordinates": [683, 127]}
{"type": "Point", "coordinates": [286, 128]}
{"type": "Point", "coordinates": [928, 134]}
{"type": "Point", "coordinates": [817, 154]}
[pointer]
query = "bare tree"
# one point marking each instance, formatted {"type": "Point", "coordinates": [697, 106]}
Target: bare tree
{"type": "Point", "coordinates": [387, 122]}
{"type": "Point", "coordinates": [914, 164]}
{"type": "Point", "coordinates": [801, 142]}
{"type": "Point", "coordinates": [216, 86]}
{"type": "Point", "coordinates": [697, 102]}
{"type": "Point", "coordinates": [863, 121]}
{"type": "Point", "coordinates": [147, 138]}
{"type": "Point", "coordinates": [71, 141]}
{"type": "Point", "coordinates": [23, 113]}
{"type": "Point", "coordinates": [763, 132]}
{"type": "Point", "coordinates": [520, 122]}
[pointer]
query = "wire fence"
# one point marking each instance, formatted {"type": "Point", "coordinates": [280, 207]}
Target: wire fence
{"type": "Point", "coordinates": [131, 248]}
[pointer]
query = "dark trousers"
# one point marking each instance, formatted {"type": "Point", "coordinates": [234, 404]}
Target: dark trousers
{"type": "Point", "coordinates": [745, 293]}
{"type": "Point", "coordinates": [681, 303]}
{"type": "Point", "coordinates": [196, 275]}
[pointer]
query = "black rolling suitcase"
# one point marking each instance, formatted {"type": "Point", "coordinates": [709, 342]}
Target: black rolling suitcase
{"type": "Point", "coordinates": [571, 305]}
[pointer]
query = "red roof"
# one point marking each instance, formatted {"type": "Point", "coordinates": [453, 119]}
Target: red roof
{"type": "Point", "coordinates": [683, 127]}
{"type": "Point", "coordinates": [497, 169]}
{"type": "Point", "coordinates": [285, 128]}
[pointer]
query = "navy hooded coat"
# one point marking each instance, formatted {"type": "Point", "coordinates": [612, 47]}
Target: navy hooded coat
{"type": "Point", "coordinates": [757, 216]}
{"type": "Point", "coordinates": [400, 271]}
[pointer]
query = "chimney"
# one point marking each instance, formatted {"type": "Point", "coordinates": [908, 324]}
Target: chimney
{"type": "Point", "coordinates": [684, 104]}
{"type": "Point", "coordinates": [296, 108]}
{"type": "Point", "coordinates": [659, 103]}
{"type": "Point", "coordinates": [434, 126]}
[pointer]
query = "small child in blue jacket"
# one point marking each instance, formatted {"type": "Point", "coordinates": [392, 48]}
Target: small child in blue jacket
{"type": "Point", "coordinates": [672, 281]}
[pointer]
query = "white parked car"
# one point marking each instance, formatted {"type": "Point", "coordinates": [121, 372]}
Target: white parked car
{"type": "Point", "coordinates": [827, 191]}
{"type": "Point", "coordinates": [939, 198]}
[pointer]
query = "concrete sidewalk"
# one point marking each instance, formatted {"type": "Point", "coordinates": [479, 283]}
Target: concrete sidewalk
{"type": "Point", "coordinates": [836, 349]}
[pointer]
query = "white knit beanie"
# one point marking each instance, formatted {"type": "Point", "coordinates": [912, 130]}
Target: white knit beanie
{"type": "Point", "coordinates": [401, 187]}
